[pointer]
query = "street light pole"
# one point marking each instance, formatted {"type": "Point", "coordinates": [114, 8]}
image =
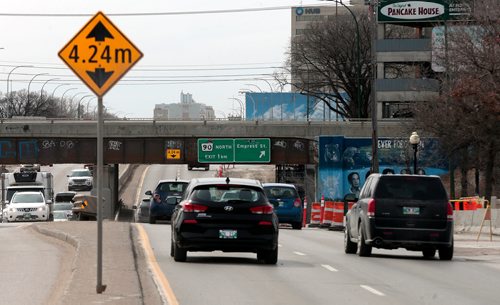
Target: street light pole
{"type": "Point", "coordinates": [80, 102]}
{"type": "Point", "coordinates": [29, 84]}
{"type": "Point", "coordinates": [255, 87]}
{"type": "Point", "coordinates": [8, 75]}
{"type": "Point", "coordinates": [414, 141]}
{"type": "Point", "coordinates": [62, 97]}
{"type": "Point", "coordinates": [41, 91]}
{"type": "Point", "coordinates": [54, 91]}
{"type": "Point", "coordinates": [241, 105]}
{"type": "Point", "coordinates": [253, 102]}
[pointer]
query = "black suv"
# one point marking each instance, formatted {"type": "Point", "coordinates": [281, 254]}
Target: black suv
{"type": "Point", "coordinates": [401, 211]}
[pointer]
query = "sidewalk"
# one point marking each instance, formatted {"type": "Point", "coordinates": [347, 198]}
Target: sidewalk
{"type": "Point", "coordinates": [466, 244]}
{"type": "Point", "coordinates": [124, 272]}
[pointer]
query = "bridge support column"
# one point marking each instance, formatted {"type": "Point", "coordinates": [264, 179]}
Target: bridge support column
{"type": "Point", "coordinates": [108, 190]}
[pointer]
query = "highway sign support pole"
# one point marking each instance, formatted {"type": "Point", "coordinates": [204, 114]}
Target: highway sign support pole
{"type": "Point", "coordinates": [100, 127]}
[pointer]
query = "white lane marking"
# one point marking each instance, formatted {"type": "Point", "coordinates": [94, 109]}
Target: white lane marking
{"type": "Point", "coordinates": [299, 253]}
{"type": "Point", "coordinates": [330, 268]}
{"type": "Point", "coordinates": [372, 290]}
{"type": "Point", "coordinates": [139, 189]}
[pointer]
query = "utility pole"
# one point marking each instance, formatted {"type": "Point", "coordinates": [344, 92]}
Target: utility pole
{"type": "Point", "coordinates": [373, 15]}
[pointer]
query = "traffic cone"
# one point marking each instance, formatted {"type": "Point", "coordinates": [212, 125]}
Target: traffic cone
{"type": "Point", "coordinates": [304, 212]}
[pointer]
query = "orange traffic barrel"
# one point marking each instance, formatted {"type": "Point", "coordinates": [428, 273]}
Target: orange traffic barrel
{"type": "Point", "coordinates": [338, 216]}
{"type": "Point", "coordinates": [327, 214]}
{"type": "Point", "coordinates": [315, 214]}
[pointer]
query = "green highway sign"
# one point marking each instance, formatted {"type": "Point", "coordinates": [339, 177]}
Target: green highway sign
{"type": "Point", "coordinates": [216, 150]}
{"type": "Point", "coordinates": [240, 150]}
{"type": "Point", "coordinates": [252, 150]}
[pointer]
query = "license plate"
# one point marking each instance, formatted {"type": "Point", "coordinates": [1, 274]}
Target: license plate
{"type": "Point", "coordinates": [228, 234]}
{"type": "Point", "coordinates": [27, 216]}
{"type": "Point", "coordinates": [411, 211]}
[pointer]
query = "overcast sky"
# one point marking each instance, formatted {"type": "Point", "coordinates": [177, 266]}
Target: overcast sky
{"type": "Point", "coordinates": [182, 48]}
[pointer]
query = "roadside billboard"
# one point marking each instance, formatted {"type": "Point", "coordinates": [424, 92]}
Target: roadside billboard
{"type": "Point", "coordinates": [423, 10]}
{"type": "Point", "coordinates": [344, 163]}
{"type": "Point", "coordinates": [286, 106]}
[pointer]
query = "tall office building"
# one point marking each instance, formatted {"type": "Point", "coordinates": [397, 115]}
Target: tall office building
{"type": "Point", "coordinates": [187, 109]}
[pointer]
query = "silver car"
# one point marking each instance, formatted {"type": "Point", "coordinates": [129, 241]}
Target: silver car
{"type": "Point", "coordinates": [142, 211]}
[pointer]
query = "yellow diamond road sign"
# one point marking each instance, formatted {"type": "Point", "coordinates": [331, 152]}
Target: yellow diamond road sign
{"type": "Point", "coordinates": [100, 54]}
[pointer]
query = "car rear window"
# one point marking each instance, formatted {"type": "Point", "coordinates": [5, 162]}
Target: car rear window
{"type": "Point", "coordinates": [172, 187]}
{"type": "Point", "coordinates": [228, 193]}
{"type": "Point", "coordinates": [410, 188]}
{"type": "Point", "coordinates": [280, 192]}
{"type": "Point", "coordinates": [63, 206]}
{"type": "Point", "coordinates": [64, 198]}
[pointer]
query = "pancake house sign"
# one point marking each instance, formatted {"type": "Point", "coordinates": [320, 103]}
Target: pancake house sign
{"type": "Point", "coordinates": [414, 11]}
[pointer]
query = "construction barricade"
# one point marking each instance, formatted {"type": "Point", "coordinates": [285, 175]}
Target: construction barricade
{"type": "Point", "coordinates": [315, 214]}
{"type": "Point", "coordinates": [326, 220]}
{"type": "Point", "coordinates": [466, 204]}
{"type": "Point", "coordinates": [339, 211]}
{"type": "Point", "coordinates": [338, 216]}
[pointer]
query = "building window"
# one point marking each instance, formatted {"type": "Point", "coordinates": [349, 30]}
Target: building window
{"type": "Point", "coordinates": [397, 110]}
{"type": "Point", "coordinates": [301, 31]}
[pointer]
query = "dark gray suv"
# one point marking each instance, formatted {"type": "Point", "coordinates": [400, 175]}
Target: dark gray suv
{"type": "Point", "coordinates": [401, 211]}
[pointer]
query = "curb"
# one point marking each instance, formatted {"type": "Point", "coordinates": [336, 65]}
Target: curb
{"type": "Point", "coordinates": [58, 235]}
{"type": "Point", "coordinates": [69, 239]}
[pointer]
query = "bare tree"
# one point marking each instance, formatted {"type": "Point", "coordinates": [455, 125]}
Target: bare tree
{"type": "Point", "coordinates": [466, 117]}
{"type": "Point", "coordinates": [324, 61]}
{"type": "Point", "coordinates": [18, 104]}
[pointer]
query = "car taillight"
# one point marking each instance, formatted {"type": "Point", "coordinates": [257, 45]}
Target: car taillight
{"type": "Point", "coordinates": [265, 223]}
{"type": "Point", "coordinates": [371, 208]}
{"type": "Point", "coordinates": [263, 209]}
{"type": "Point", "coordinates": [449, 212]}
{"type": "Point", "coordinates": [190, 207]}
{"type": "Point", "coordinates": [297, 203]}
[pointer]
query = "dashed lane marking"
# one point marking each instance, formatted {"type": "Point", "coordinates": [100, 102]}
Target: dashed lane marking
{"type": "Point", "coordinates": [330, 268]}
{"type": "Point", "coordinates": [372, 290]}
{"type": "Point", "coordinates": [299, 253]}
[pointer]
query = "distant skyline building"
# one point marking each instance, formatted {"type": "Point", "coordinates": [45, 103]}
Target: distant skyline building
{"type": "Point", "coordinates": [187, 109]}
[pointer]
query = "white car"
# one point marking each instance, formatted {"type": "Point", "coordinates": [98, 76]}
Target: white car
{"type": "Point", "coordinates": [80, 180]}
{"type": "Point", "coordinates": [27, 206]}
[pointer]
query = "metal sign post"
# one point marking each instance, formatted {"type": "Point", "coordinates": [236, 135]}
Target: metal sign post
{"type": "Point", "coordinates": [100, 158]}
{"type": "Point", "coordinates": [100, 55]}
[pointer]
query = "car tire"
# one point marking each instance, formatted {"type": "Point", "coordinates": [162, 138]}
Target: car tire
{"type": "Point", "coordinates": [152, 220]}
{"type": "Point", "coordinates": [446, 253]}
{"type": "Point", "coordinates": [190, 168]}
{"type": "Point", "coordinates": [363, 249]}
{"type": "Point", "coordinates": [268, 257]}
{"type": "Point", "coordinates": [171, 248]}
{"type": "Point", "coordinates": [429, 253]}
{"type": "Point", "coordinates": [297, 225]}
{"type": "Point", "coordinates": [180, 255]}
{"type": "Point", "coordinates": [349, 246]}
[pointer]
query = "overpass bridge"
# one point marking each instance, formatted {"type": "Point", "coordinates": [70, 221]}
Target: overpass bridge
{"type": "Point", "coordinates": [49, 141]}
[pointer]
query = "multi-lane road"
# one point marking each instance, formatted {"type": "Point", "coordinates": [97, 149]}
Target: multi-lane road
{"type": "Point", "coordinates": [312, 267]}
